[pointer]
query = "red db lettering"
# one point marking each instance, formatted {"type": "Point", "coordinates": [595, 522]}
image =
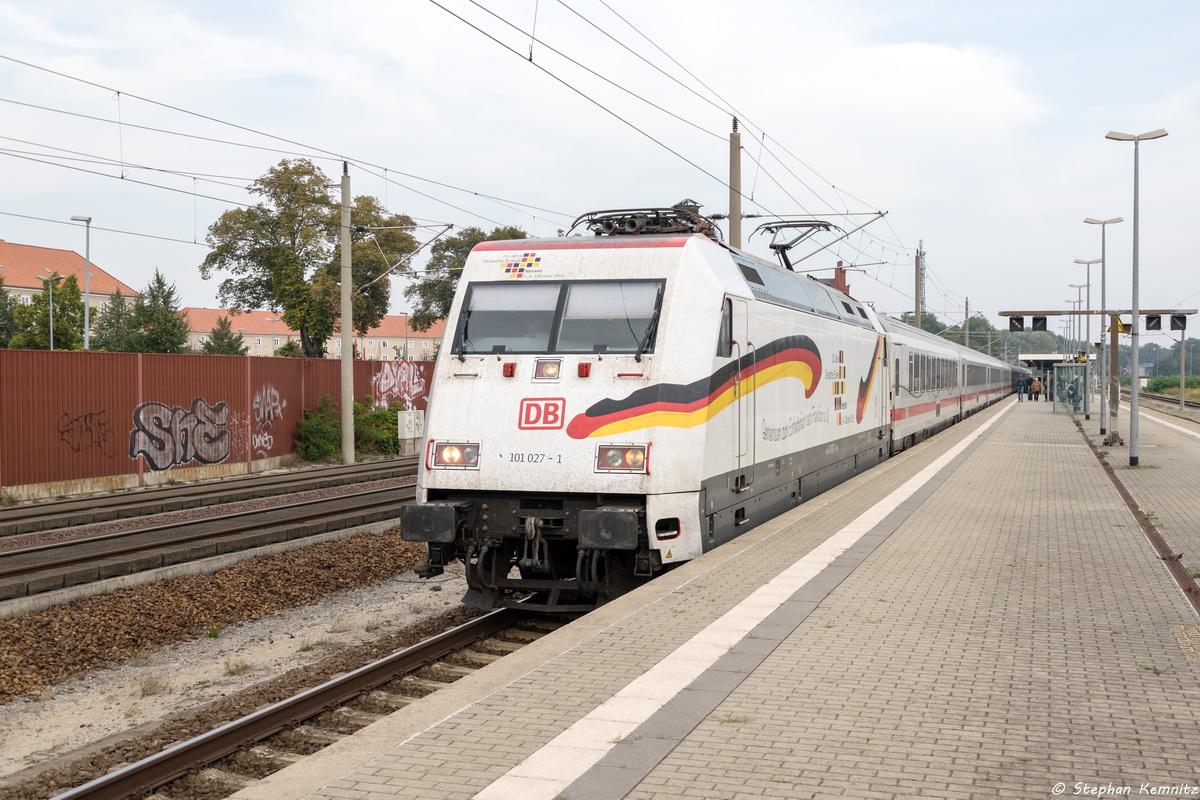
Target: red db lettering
{"type": "Point", "coordinates": [542, 413]}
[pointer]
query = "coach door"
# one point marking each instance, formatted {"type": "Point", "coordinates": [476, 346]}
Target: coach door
{"type": "Point", "coordinates": [744, 397]}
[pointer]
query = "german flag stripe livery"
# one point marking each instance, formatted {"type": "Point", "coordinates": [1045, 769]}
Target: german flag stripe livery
{"type": "Point", "coordinates": [686, 406]}
{"type": "Point", "coordinates": [866, 384]}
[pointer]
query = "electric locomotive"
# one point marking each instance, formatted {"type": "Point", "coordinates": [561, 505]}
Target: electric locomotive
{"type": "Point", "coordinates": [605, 407]}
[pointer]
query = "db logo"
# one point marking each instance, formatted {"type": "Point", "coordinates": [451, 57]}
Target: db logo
{"type": "Point", "coordinates": [542, 413]}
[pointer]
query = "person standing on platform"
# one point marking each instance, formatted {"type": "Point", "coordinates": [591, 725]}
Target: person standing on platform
{"type": "Point", "coordinates": [1020, 389]}
{"type": "Point", "coordinates": [1035, 390]}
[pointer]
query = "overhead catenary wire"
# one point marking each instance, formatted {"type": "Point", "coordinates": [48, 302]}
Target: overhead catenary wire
{"type": "Point", "coordinates": [310, 151]}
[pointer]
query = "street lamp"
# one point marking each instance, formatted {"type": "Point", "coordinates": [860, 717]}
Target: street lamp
{"type": "Point", "coordinates": [87, 272]}
{"type": "Point", "coordinates": [1108, 372]}
{"type": "Point", "coordinates": [1087, 345]}
{"type": "Point", "coordinates": [273, 320]}
{"type": "Point", "coordinates": [50, 281]}
{"type": "Point", "coordinates": [1073, 321]}
{"type": "Point", "coordinates": [1134, 384]}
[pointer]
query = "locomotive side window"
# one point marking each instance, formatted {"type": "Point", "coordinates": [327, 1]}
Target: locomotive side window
{"type": "Point", "coordinates": [559, 317]}
{"type": "Point", "coordinates": [725, 334]}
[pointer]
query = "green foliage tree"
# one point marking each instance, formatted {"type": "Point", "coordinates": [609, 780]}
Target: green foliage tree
{"type": "Point", "coordinates": [113, 329]}
{"type": "Point", "coordinates": [285, 253]}
{"type": "Point", "coordinates": [289, 349]}
{"type": "Point", "coordinates": [8, 316]}
{"type": "Point", "coordinates": [160, 325]}
{"type": "Point", "coordinates": [33, 320]}
{"type": "Point", "coordinates": [434, 293]}
{"type": "Point", "coordinates": [222, 341]}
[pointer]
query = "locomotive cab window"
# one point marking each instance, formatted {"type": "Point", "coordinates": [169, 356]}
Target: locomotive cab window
{"type": "Point", "coordinates": [725, 334]}
{"type": "Point", "coordinates": [567, 317]}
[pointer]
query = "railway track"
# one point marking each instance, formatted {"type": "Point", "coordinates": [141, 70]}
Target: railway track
{"type": "Point", "coordinates": [237, 753]}
{"type": "Point", "coordinates": [49, 566]}
{"type": "Point", "coordinates": [1163, 398]}
{"type": "Point", "coordinates": [34, 517]}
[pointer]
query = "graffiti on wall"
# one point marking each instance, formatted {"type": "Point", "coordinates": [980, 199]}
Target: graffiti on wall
{"type": "Point", "coordinates": [173, 436]}
{"type": "Point", "coordinates": [397, 383]}
{"type": "Point", "coordinates": [268, 410]}
{"type": "Point", "coordinates": [87, 431]}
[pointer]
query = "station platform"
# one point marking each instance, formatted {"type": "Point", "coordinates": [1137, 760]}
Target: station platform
{"type": "Point", "coordinates": [981, 616]}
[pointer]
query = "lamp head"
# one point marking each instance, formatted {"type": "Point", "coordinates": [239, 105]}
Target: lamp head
{"type": "Point", "coordinates": [1092, 221]}
{"type": "Point", "coordinates": [82, 219]}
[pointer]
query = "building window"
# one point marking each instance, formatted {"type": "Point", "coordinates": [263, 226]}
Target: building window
{"type": "Point", "coordinates": [383, 343]}
{"type": "Point", "coordinates": [424, 344]}
{"type": "Point", "coordinates": [275, 342]}
{"type": "Point", "coordinates": [26, 299]}
{"type": "Point", "coordinates": [383, 357]}
{"type": "Point", "coordinates": [370, 342]}
{"type": "Point", "coordinates": [203, 339]}
{"type": "Point", "coordinates": [339, 344]}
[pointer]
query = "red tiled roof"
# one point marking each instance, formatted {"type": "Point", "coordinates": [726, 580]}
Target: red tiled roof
{"type": "Point", "coordinates": [22, 264]}
{"type": "Point", "coordinates": [258, 323]}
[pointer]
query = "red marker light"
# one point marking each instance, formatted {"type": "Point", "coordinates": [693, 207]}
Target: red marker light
{"type": "Point", "coordinates": [510, 369]}
{"type": "Point", "coordinates": [585, 369]}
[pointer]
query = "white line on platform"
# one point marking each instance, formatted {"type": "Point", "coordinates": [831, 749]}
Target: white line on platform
{"type": "Point", "coordinates": [547, 772]}
{"type": "Point", "coordinates": [1172, 426]}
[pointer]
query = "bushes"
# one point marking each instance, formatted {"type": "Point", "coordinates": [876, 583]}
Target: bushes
{"type": "Point", "coordinates": [1170, 383]}
{"type": "Point", "coordinates": [319, 434]}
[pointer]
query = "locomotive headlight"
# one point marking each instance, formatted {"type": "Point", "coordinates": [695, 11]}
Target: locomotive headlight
{"type": "Point", "coordinates": [621, 458]}
{"type": "Point", "coordinates": [454, 455]}
{"type": "Point", "coordinates": [546, 369]}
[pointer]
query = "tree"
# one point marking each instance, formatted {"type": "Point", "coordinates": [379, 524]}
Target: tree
{"type": "Point", "coordinates": [285, 253]}
{"type": "Point", "coordinates": [435, 292]}
{"type": "Point", "coordinates": [8, 316]}
{"type": "Point", "coordinates": [113, 330]}
{"type": "Point", "coordinates": [33, 320]}
{"type": "Point", "coordinates": [289, 349]}
{"type": "Point", "coordinates": [160, 325]}
{"type": "Point", "coordinates": [222, 341]}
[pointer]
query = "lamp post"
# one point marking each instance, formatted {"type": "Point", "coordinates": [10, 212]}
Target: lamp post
{"type": "Point", "coordinates": [50, 281]}
{"type": "Point", "coordinates": [1079, 287]}
{"type": "Point", "coordinates": [1107, 371]}
{"type": "Point", "coordinates": [1134, 384]}
{"type": "Point", "coordinates": [87, 285]}
{"type": "Point", "coordinates": [273, 320]}
{"type": "Point", "coordinates": [1071, 341]}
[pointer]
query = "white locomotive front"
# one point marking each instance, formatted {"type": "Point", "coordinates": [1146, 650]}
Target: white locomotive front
{"type": "Point", "coordinates": [604, 407]}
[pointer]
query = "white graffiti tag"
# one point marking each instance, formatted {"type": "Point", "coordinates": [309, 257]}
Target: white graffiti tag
{"type": "Point", "coordinates": [170, 436]}
{"type": "Point", "coordinates": [397, 381]}
{"type": "Point", "coordinates": [268, 409]}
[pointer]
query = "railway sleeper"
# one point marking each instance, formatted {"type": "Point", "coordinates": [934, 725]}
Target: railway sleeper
{"type": "Point", "coordinates": [225, 778]}
{"type": "Point", "coordinates": [453, 671]}
{"type": "Point", "coordinates": [319, 735]}
{"type": "Point", "coordinates": [419, 687]}
{"type": "Point", "coordinates": [473, 658]}
{"type": "Point", "coordinates": [522, 636]}
{"type": "Point", "coordinates": [361, 718]}
{"type": "Point", "coordinates": [390, 699]}
{"type": "Point", "coordinates": [501, 646]}
{"type": "Point", "coordinates": [281, 757]}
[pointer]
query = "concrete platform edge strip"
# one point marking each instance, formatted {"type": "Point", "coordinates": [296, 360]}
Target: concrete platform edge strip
{"type": "Point", "coordinates": [548, 773]}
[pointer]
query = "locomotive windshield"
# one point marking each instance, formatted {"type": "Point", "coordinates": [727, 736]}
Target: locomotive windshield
{"type": "Point", "coordinates": [559, 317]}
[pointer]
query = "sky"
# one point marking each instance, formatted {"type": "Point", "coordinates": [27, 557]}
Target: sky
{"type": "Point", "coordinates": [978, 127]}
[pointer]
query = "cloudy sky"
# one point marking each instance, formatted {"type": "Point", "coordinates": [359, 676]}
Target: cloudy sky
{"type": "Point", "coordinates": [978, 127]}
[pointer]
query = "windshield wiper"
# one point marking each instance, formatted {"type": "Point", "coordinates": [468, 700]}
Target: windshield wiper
{"type": "Point", "coordinates": [651, 327]}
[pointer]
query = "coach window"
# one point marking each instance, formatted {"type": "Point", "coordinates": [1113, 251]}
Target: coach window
{"type": "Point", "coordinates": [725, 334]}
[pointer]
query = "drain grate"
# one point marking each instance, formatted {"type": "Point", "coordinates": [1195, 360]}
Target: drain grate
{"type": "Point", "coordinates": [1188, 638]}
